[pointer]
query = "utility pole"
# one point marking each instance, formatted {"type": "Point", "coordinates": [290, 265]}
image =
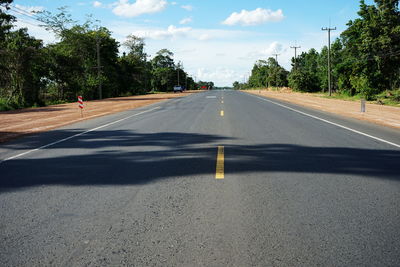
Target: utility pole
{"type": "Point", "coordinates": [276, 57]}
{"type": "Point", "coordinates": [178, 76]}
{"type": "Point", "coordinates": [179, 66]}
{"type": "Point", "coordinates": [99, 67]}
{"type": "Point", "coordinates": [295, 54]}
{"type": "Point", "coordinates": [329, 57]}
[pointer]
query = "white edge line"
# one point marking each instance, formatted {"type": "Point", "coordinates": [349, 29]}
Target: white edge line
{"type": "Point", "coordinates": [75, 135]}
{"type": "Point", "coordinates": [330, 122]}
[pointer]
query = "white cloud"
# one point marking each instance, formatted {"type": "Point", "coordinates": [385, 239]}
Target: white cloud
{"type": "Point", "coordinates": [121, 29]}
{"type": "Point", "coordinates": [186, 51]}
{"type": "Point", "coordinates": [221, 56]}
{"type": "Point", "coordinates": [187, 7]}
{"type": "Point", "coordinates": [205, 37]}
{"type": "Point", "coordinates": [186, 20]}
{"type": "Point", "coordinates": [273, 48]}
{"type": "Point", "coordinates": [222, 35]}
{"type": "Point", "coordinates": [125, 9]}
{"type": "Point", "coordinates": [254, 17]}
{"type": "Point", "coordinates": [284, 53]}
{"type": "Point", "coordinates": [97, 4]}
{"type": "Point", "coordinates": [220, 75]}
{"type": "Point", "coordinates": [158, 34]}
{"type": "Point", "coordinates": [30, 9]}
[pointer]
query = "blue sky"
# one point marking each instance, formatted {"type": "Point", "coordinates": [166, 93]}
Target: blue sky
{"type": "Point", "coordinates": [216, 40]}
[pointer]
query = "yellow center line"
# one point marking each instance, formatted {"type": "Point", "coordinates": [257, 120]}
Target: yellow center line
{"type": "Point", "coordinates": [222, 113]}
{"type": "Point", "coordinates": [222, 101]}
{"type": "Point", "coordinates": [219, 174]}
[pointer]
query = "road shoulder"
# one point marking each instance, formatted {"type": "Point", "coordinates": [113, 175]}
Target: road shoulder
{"type": "Point", "coordinates": [17, 123]}
{"type": "Point", "coordinates": [377, 114]}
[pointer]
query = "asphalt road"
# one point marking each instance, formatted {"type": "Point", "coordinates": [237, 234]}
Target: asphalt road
{"type": "Point", "coordinates": [139, 188]}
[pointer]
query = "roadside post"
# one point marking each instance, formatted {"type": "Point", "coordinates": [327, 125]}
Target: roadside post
{"type": "Point", "coordinates": [80, 103]}
{"type": "Point", "coordinates": [362, 105]}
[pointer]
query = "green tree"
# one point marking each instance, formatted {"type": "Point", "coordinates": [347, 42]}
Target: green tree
{"type": "Point", "coordinates": [57, 23]}
{"type": "Point", "coordinates": [74, 63]}
{"type": "Point", "coordinates": [276, 75]}
{"type": "Point", "coordinates": [6, 20]}
{"type": "Point", "coordinates": [31, 74]}
{"type": "Point", "coordinates": [258, 77]}
{"type": "Point", "coordinates": [268, 73]}
{"type": "Point", "coordinates": [73, 60]}
{"type": "Point", "coordinates": [22, 68]}
{"type": "Point", "coordinates": [373, 44]}
{"type": "Point", "coordinates": [164, 73]}
{"type": "Point", "coordinates": [163, 59]}
{"type": "Point", "coordinates": [135, 70]}
{"type": "Point", "coordinates": [305, 76]}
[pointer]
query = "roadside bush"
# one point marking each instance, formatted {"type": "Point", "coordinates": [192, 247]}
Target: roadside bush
{"type": "Point", "coordinates": [304, 81]}
{"type": "Point", "coordinates": [362, 86]}
{"type": "Point", "coordinates": [4, 106]}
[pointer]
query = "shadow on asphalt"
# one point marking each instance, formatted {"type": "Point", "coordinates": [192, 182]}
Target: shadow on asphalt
{"type": "Point", "coordinates": [129, 158]}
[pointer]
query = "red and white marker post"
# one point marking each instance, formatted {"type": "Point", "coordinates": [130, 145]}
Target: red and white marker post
{"type": "Point", "coordinates": [80, 103]}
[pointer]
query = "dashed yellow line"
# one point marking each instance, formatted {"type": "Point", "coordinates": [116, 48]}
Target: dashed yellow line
{"type": "Point", "coordinates": [222, 113]}
{"type": "Point", "coordinates": [222, 101]}
{"type": "Point", "coordinates": [220, 173]}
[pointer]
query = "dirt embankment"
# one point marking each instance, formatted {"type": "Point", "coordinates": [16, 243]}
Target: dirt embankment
{"type": "Point", "coordinates": [378, 114]}
{"type": "Point", "coordinates": [32, 120]}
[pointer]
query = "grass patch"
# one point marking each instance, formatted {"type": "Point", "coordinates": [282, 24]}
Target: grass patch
{"type": "Point", "coordinates": [156, 92]}
{"type": "Point", "coordinates": [4, 106]}
{"type": "Point", "coordinates": [339, 96]}
{"type": "Point", "coordinates": [56, 102]}
{"type": "Point", "coordinates": [389, 98]}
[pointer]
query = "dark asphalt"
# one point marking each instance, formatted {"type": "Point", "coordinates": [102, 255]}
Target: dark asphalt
{"type": "Point", "coordinates": [142, 191]}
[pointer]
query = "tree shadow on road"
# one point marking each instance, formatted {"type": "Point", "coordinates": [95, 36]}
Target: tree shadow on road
{"type": "Point", "coordinates": [128, 158]}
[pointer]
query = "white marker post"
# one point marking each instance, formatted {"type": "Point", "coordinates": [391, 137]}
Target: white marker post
{"type": "Point", "coordinates": [80, 103]}
{"type": "Point", "coordinates": [363, 105]}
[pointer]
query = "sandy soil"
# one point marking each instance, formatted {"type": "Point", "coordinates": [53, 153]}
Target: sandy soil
{"type": "Point", "coordinates": [32, 120]}
{"type": "Point", "coordinates": [378, 114]}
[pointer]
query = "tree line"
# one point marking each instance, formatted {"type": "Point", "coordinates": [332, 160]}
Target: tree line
{"type": "Point", "coordinates": [365, 59]}
{"type": "Point", "coordinates": [85, 60]}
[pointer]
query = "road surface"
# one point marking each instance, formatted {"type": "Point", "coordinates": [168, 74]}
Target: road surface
{"type": "Point", "coordinates": [219, 178]}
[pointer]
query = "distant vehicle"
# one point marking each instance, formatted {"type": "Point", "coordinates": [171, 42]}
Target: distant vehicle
{"type": "Point", "coordinates": [178, 88]}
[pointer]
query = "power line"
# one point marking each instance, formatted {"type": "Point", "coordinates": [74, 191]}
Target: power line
{"type": "Point", "coordinates": [30, 14]}
{"type": "Point", "coordinates": [26, 15]}
{"type": "Point", "coordinates": [20, 13]}
{"type": "Point", "coordinates": [27, 22]}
